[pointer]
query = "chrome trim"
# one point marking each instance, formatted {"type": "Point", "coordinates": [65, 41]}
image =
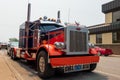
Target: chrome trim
{"type": "Point", "coordinates": [68, 44]}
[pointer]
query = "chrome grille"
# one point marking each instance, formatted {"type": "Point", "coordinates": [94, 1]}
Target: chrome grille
{"type": "Point", "coordinates": [78, 41]}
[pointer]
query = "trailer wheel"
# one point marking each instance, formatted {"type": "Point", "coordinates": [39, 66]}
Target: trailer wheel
{"type": "Point", "coordinates": [92, 67]}
{"type": "Point", "coordinates": [13, 55]}
{"type": "Point", "coordinates": [44, 68]}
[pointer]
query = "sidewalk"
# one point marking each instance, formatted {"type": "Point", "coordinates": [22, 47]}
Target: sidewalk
{"type": "Point", "coordinates": [113, 55]}
{"type": "Point", "coordinates": [6, 70]}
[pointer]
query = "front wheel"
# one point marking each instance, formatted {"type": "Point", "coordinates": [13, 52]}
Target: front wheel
{"type": "Point", "coordinates": [44, 68]}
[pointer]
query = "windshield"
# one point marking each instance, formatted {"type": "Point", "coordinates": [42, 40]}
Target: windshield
{"type": "Point", "coordinates": [14, 44]}
{"type": "Point", "coordinates": [48, 27]}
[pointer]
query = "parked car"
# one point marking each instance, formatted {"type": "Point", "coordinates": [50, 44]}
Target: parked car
{"type": "Point", "coordinates": [104, 51]}
{"type": "Point", "coordinates": [98, 50]}
{"type": "Point", "coordinates": [3, 45]}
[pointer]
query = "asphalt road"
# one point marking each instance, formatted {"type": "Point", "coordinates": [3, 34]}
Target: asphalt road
{"type": "Point", "coordinates": [107, 69]}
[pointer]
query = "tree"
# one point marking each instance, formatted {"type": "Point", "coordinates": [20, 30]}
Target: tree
{"type": "Point", "coordinates": [13, 40]}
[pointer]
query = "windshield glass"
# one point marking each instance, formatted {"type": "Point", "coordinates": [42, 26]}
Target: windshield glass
{"type": "Point", "coordinates": [14, 44]}
{"type": "Point", "coordinates": [48, 27]}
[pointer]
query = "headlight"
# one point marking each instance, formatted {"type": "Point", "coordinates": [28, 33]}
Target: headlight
{"type": "Point", "coordinates": [59, 45]}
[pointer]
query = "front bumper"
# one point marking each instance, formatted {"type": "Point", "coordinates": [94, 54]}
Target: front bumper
{"type": "Point", "coordinates": [68, 61]}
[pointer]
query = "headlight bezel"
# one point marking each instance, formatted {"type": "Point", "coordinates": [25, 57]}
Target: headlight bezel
{"type": "Point", "coordinates": [59, 45]}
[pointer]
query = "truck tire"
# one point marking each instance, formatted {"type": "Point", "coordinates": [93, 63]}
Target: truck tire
{"type": "Point", "coordinates": [44, 68]}
{"type": "Point", "coordinates": [13, 55]}
{"type": "Point", "coordinates": [92, 67]}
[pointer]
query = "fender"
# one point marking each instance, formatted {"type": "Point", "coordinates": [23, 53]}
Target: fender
{"type": "Point", "coordinates": [51, 49]}
{"type": "Point", "coordinates": [15, 50]}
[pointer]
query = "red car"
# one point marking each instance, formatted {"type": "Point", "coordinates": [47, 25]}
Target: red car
{"type": "Point", "coordinates": [99, 51]}
{"type": "Point", "coordinates": [103, 51]}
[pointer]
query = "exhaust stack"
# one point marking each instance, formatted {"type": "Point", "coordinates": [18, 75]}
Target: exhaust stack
{"type": "Point", "coordinates": [27, 25]}
{"type": "Point", "coordinates": [58, 17]}
{"type": "Point", "coordinates": [29, 12]}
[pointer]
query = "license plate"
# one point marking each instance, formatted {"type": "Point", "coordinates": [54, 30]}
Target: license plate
{"type": "Point", "coordinates": [68, 69]}
{"type": "Point", "coordinates": [86, 66]}
{"type": "Point", "coordinates": [76, 68]}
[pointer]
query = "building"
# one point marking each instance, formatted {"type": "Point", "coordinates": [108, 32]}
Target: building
{"type": "Point", "coordinates": [107, 35]}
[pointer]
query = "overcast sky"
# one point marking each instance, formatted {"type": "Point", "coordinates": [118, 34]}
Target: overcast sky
{"type": "Point", "coordinates": [13, 13]}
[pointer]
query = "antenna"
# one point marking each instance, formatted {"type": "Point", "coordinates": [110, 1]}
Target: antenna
{"type": "Point", "coordinates": [68, 15]}
{"type": "Point", "coordinates": [28, 1]}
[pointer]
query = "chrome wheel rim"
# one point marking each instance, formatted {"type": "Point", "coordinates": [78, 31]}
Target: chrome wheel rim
{"type": "Point", "coordinates": [42, 64]}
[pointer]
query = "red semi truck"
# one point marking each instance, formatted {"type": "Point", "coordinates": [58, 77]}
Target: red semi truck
{"type": "Point", "coordinates": [55, 46]}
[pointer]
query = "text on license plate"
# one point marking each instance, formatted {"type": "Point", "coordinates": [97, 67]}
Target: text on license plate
{"type": "Point", "coordinates": [76, 68]}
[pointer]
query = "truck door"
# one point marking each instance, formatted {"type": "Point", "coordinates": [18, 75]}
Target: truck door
{"type": "Point", "coordinates": [36, 37]}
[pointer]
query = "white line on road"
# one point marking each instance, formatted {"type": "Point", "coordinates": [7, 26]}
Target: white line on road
{"type": "Point", "coordinates": [114, 75]}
